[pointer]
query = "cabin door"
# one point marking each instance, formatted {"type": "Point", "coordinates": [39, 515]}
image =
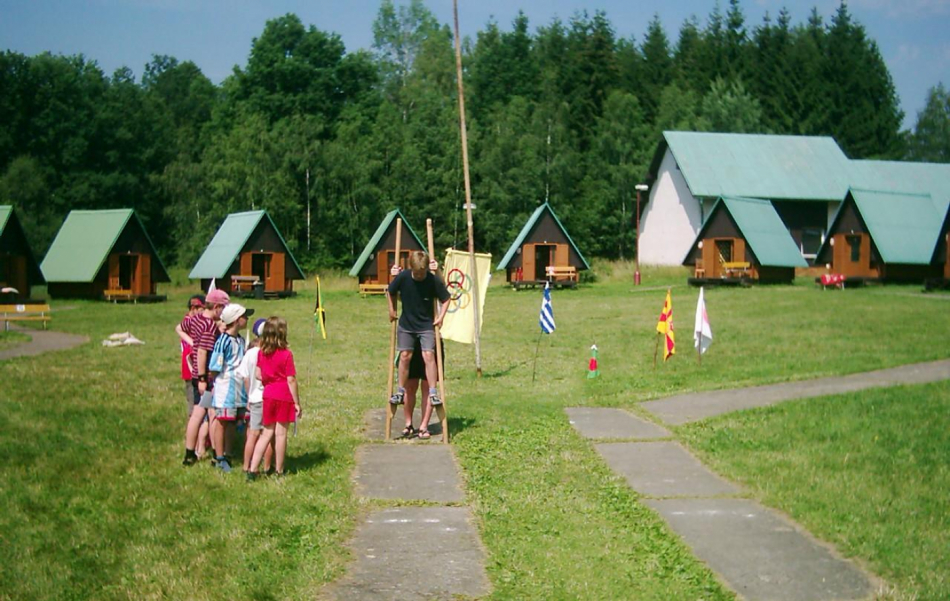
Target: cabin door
{"type": "Point", "coordinates": [261, 267]}
{"type": "Point", "coordinates": [544, 255]}
{"type": "Point", "coordinates": [128, 265]}
{"type": "Point", "coordinates": [385, 265]}
{"type": "Point", "coordinates": [852, 255]}
{"type": "Point", "coordinates": [13, 273]}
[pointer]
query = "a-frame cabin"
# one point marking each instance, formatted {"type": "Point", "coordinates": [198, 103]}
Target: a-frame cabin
{"type": "Point", "coordinates": [543, 252]}
{"type": "Point", "coordinates": [378, 256]}
{"type": "Point", "coordinates": [19, 269]}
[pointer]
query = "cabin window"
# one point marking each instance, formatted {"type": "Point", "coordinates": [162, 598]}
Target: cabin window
{"type": "Point", "coordinates": [725, 250]}
{"type": "Point", "coordinates": [811, 242]}
{"type": "Point", "coordinates": [854, 243]}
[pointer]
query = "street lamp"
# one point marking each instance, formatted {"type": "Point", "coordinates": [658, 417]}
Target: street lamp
{"type": "Point", "coordinates": [636, 274]}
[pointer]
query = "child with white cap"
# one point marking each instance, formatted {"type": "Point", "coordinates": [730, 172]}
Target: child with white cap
{"type": "Point", "coordinates": [229, 392]}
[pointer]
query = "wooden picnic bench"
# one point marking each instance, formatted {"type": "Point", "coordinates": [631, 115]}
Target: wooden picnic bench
{"type": "Point", "coordinates": [39, 312]}
{"type": "Point", "coordinates": [561, 273]}
{"type": "Point", "coordinates": [115, 295]}
{"type": "Point", "coordinates": [242, 283]}
{"type": "Point", "coordinates": [371, 289]}
{"type": "Point", "coordinates": [736, 269]}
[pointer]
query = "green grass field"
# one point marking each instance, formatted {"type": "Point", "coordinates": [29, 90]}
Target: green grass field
{"type": "Point", "coordinates": [95, 503]}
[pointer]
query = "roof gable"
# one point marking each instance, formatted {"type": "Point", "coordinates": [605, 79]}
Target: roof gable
{"type": "Point", "coordinates": [526, 231]}
{"type": "Point", "coordinates": [387, 222]}
{"type": "Point", "coordinates": [762, 228]}
{"type": "Point", "coordinates": [229, 241]}
{"type": "Point", "coordinates": [757, 165]}
{"type": "Point", "coordinates": [903, 226]}
{"type": "Point", "coordinates": [11, 227]}
{"type": "Point", "coordinates": [915, 178]}
{"type": "Point", "coordinates": [83, 243]}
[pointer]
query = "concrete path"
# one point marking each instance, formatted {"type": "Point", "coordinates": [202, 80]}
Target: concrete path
{"type": "Point", "coordinates": [42, 341]}
{"type": "Point", "coordinates": [374, 423]}
{"type": "Point", "coordinates": [758, 553]}
{"type": "Point", "coordinates": [430, 552]}
{"type": "Point", "coordinates": [687, 408]}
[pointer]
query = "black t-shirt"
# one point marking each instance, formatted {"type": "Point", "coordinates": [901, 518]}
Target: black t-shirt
{"type": "Point", "coordinates": [417, 299]}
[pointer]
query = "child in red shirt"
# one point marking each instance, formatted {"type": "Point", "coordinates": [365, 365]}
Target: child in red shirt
{"type": "Point", "coordinates": [276, 371]}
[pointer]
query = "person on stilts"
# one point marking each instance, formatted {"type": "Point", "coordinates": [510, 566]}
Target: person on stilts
{"type": "Point", "coordinates": [417, 287]}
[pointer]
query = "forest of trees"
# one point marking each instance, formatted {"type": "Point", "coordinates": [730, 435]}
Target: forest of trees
{"type": "Point", "coordinates": [328, 141]}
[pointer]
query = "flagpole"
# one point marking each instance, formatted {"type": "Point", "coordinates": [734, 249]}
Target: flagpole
{"type": "Point", "coordinates": [390, 408]}
{"type": "Point", "coordinates": [537, 347]}
{"type": "Point", "coordinates": [656, 349]}
{"type": "Point", "coordinates": [468, 190]}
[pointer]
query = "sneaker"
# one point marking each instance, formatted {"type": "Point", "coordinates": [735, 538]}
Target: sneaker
{"type": "Point", "coordinates": [251, 476]}
{"type": "Point", "coordinates": [223, 465]}
{"type": "Point", "coordinates": [397, 398]}
{"type": "Point", "coordinates": [190, 458]}
{"type": "Point", "coordinates": [435, 400]}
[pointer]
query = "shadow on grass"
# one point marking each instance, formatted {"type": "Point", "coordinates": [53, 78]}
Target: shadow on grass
{"type": "Point", "coordinates": [307, 461]}
{"type": "Point", "coordinates": [504, 372]}
{"type": "Point", "coordinates": [456, 425]}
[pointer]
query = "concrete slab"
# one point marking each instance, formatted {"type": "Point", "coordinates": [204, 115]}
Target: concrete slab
{"type": "Point", "coordinates": [408, 472]}
{"type": "Point", "coordinates": [663, 469]}
{"type": "Point", "coordinates": [42, 341]}
{"type": "Point", "coordinates": [602, 422]}
{"type": "Point", "coordinates": [415, 553]}
{"type": "Point", "coordinates": [687, 408]}
{"type": "Point", "coordinates": [761, 554]}
{"type": "Point", "coordinates": [374, 424]}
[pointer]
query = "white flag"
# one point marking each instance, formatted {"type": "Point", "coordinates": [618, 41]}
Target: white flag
{"type": "Point", "coordinates": [211, 286]}
{"type": "Point", "coordinates": [702, 333]}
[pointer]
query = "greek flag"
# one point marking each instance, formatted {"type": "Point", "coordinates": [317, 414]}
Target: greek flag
{"type": "Point", "coordinates": [547, 312]}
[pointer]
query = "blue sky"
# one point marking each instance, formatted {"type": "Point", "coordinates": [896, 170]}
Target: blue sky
{"type": "Point", "coordinates": [913, 35]}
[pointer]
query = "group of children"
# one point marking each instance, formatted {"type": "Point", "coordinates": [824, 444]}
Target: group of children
{"type": "Point", "coordinates": [227, 385]}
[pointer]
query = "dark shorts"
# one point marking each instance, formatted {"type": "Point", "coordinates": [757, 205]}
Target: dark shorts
{"type": "Point", "coordinates": [406, 341]}
{"type": "Point", "coordinates": [417, 365]}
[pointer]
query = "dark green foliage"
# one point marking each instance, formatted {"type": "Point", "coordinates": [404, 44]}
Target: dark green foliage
{"type": "Point", "coordinates": [328, 141]}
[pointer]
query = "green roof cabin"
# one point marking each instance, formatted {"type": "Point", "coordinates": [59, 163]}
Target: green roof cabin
{"type": "Point", "coordinates": [103, 254]}
{"type": "Point", "coordinates": [885, 236]}
{"type": "Point", "coordinates": [18, 267]}
{"type": "Point", "coordinates": [942, 252]}
{"type": "Point", "coordinates": [743, 240]}
{"type": "Point", "coordinates": [248, 256]}
{"type": "Point", "coordinates": [379, 254]}
{"type": "Point", "coordinates": [542, 252]}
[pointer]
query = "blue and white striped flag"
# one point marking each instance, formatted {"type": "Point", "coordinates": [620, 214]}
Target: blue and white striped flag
{"type": "Point", "coordinates": [547, 311]}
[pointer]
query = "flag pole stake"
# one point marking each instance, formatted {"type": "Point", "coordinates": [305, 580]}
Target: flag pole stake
{"type": "Point", "coordinates": [537, 348]}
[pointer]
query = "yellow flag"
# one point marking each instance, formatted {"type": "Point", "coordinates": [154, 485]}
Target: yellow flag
{"type": "Point", "coordinates": [665, 326]}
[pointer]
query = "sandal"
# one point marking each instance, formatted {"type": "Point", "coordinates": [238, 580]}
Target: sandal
{"type": "Point", "coordinates": [423, 434]}
{"type": "Point", "coordinates": [408, 432]}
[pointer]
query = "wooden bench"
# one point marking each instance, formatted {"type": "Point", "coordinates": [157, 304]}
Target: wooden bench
{"type": "Point", "coordinates": [115, 295]}
{"type": "Point", "coordinates": [371, 289]}
{"type": "Point", "coordinates": [561, 273]}
{"type": "Point", "coordinates": [734, 269]}
{"type": "Point", "coordinates": [242, 283]}
{"type": "Point", "coordinates": [10, 313]}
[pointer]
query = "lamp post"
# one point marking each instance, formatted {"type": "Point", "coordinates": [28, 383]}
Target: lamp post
{"type": "Point", "coordinates": [636, 273]}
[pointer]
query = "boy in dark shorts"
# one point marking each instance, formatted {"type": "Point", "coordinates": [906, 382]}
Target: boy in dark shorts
{"type": "Point", "coordinates": [418, 288]}
{"type": "Point", "coordinates": [417, 381]}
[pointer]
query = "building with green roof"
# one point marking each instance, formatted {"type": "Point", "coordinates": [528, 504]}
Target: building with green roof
{"type": "Point", "coordinates": [941, 257]}
{"type": "Point", "coordinates": [745, 239]}
{"type": "Point", "coordinates": [248, 248]}
{"type": "Point", "coordinates": [100, 252]}
{"type": "Point", "coordinates": [18, 267]}
{"type": "Point", "coordinates": [805, 178]}
{"type": "Point", "coordinates": [543, 242]}
{"type": "Point", "coordinates": [379, 254]}
{"type": "Point", "coordinates": [885, 235]}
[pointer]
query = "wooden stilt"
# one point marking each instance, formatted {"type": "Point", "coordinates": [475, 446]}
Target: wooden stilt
{"type": "Point", "coordinates": [390, 408]}
{"type": "Point", "coordinates": [439, 409]}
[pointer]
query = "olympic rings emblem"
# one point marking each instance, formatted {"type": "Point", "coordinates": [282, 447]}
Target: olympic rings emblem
{"type": "Point", "coordinates": [459, 286]}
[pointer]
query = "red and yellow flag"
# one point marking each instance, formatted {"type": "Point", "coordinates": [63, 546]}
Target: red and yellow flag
{"type": "Point", "coordinates": [665, 327]}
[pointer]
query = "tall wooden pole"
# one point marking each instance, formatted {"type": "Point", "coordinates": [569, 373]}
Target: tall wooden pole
{"type": "Point", "coordinates": [476, 302]}
{"type": "Point", "coordinates": [390, 408]}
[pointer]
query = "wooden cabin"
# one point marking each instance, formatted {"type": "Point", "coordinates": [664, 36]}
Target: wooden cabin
{"type": "Point", "coordinates": [543, 252]}
{"type": "Point", "coordinates": [248, 257]}
{"type": "Point", "coordinates": [378, 256]}
{"type": "Point", "coordinates": [743, 241]}
{"type": "Point", "coordinates": [103, 254]}
{"type": "Point", "coordinates": [884, 236]}
{"type": "Point", "coordinates": [19, 269]}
